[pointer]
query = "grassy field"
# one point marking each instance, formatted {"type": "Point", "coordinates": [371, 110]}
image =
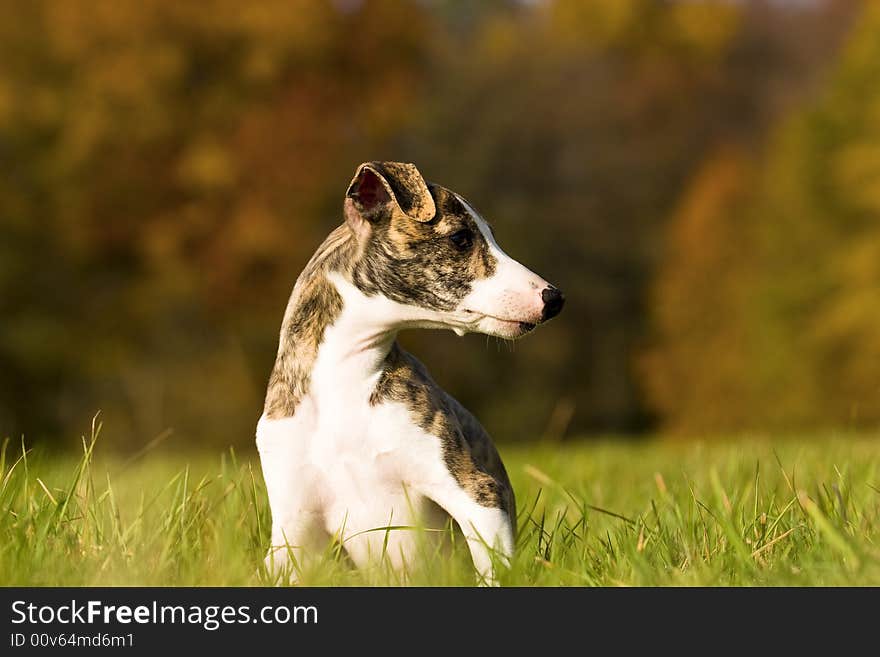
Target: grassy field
{"type": "Point", "coordinates": [608, 514]}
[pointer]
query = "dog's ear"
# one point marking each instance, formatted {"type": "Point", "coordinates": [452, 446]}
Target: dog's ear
{"type": "Point", "coordinates": [380, 188]}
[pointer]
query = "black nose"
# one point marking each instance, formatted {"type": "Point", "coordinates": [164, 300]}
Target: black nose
{"type": "Point", "coordinates": [553, 302]}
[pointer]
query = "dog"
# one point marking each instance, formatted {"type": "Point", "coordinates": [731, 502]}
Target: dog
{"type": "Point", "coordinates": [355, 435]}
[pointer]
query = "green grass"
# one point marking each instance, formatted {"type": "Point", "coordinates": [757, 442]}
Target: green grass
{"type": "Point", "coordinates": [607, 514]}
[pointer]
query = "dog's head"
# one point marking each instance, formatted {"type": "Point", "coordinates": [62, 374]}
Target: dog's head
{"type": "Point", "coordinates": [426, 249]}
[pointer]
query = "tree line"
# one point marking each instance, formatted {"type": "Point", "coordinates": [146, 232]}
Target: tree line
{"type": "Point", "coordinates": [700, 178]}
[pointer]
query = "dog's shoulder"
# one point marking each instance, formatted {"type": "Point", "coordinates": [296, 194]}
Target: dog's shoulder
{"type": "Point", "coordinates": [480, 469]}
{"type": "Point", "coordinates": [468, 450]}
{"type": "Point", "coordinates": [481, 446]}
{"type": "Point", "coordinates": [406, 380]}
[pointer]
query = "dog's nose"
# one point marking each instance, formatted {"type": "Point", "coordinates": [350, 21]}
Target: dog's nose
{"type": "Point", "coordinates": [553, 302]}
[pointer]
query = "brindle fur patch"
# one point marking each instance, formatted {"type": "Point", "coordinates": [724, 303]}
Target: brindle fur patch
{"type": "Point", "coordinates": [468, 451]}
{"type": "Point", "coordinates": [314, 305]}
{"type": "Point", "coordinates": [416, 263]}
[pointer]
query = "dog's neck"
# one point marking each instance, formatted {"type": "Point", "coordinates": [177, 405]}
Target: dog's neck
{"type": "Point", "coordinates": [352, 354]}
{"type": "Point", "coordinates": [334, 342]}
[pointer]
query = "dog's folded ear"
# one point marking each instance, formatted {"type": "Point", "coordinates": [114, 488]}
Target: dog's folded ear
{"type": "Point", "coordinates": [379, 187]}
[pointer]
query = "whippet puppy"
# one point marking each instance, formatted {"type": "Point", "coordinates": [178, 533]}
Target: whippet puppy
{"type": "Point", "coordinates": [355, 435]}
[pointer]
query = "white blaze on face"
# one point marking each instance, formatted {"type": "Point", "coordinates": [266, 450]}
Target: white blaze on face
{"type": "Point", "coordinates": [508, 303]}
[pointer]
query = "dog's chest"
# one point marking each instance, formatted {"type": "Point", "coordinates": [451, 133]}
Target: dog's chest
{"type": "Point", "coordinates": [357, 444]}
{"type": "Point", "coordinates": [354, 464]}
{"type": "Point", "coordinates": [341, 455]}
{"type": "Point", "coordinates": [360, 443]}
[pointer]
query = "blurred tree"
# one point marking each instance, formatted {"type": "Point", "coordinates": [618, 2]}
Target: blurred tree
{"type": "Point", "coordinates": [822, 282]}
{"type": "Point", "coordinates": [800, 321]}
{"type": "Point", "coordinates": [168, 168]}
{"type": "Point", "coordinates": [702, 361]}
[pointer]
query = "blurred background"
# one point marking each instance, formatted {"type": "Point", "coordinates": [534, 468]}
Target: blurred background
{"type": "Point", "coordinates": [702, 179]}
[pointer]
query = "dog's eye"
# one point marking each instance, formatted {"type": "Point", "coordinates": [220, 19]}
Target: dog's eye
{"type": "Point", "coordinates": [463, 239]}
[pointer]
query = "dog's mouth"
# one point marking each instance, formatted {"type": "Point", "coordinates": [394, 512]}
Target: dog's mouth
{"type": "Point", "coordinates": [498, 326]}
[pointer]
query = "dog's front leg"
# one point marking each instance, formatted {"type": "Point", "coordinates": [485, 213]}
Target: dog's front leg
{"type": "Point", "coordinates": [487, 529]}
{"type": "Point", "coordinates": [490, 538]}
{"type": "Point", "coordinates": [298, 531]}
{"type": "Point", "coordinates": [297, 537]}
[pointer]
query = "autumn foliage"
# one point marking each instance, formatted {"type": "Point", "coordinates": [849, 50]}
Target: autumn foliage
{"type": "Point", "coordinates": [701, 178]}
